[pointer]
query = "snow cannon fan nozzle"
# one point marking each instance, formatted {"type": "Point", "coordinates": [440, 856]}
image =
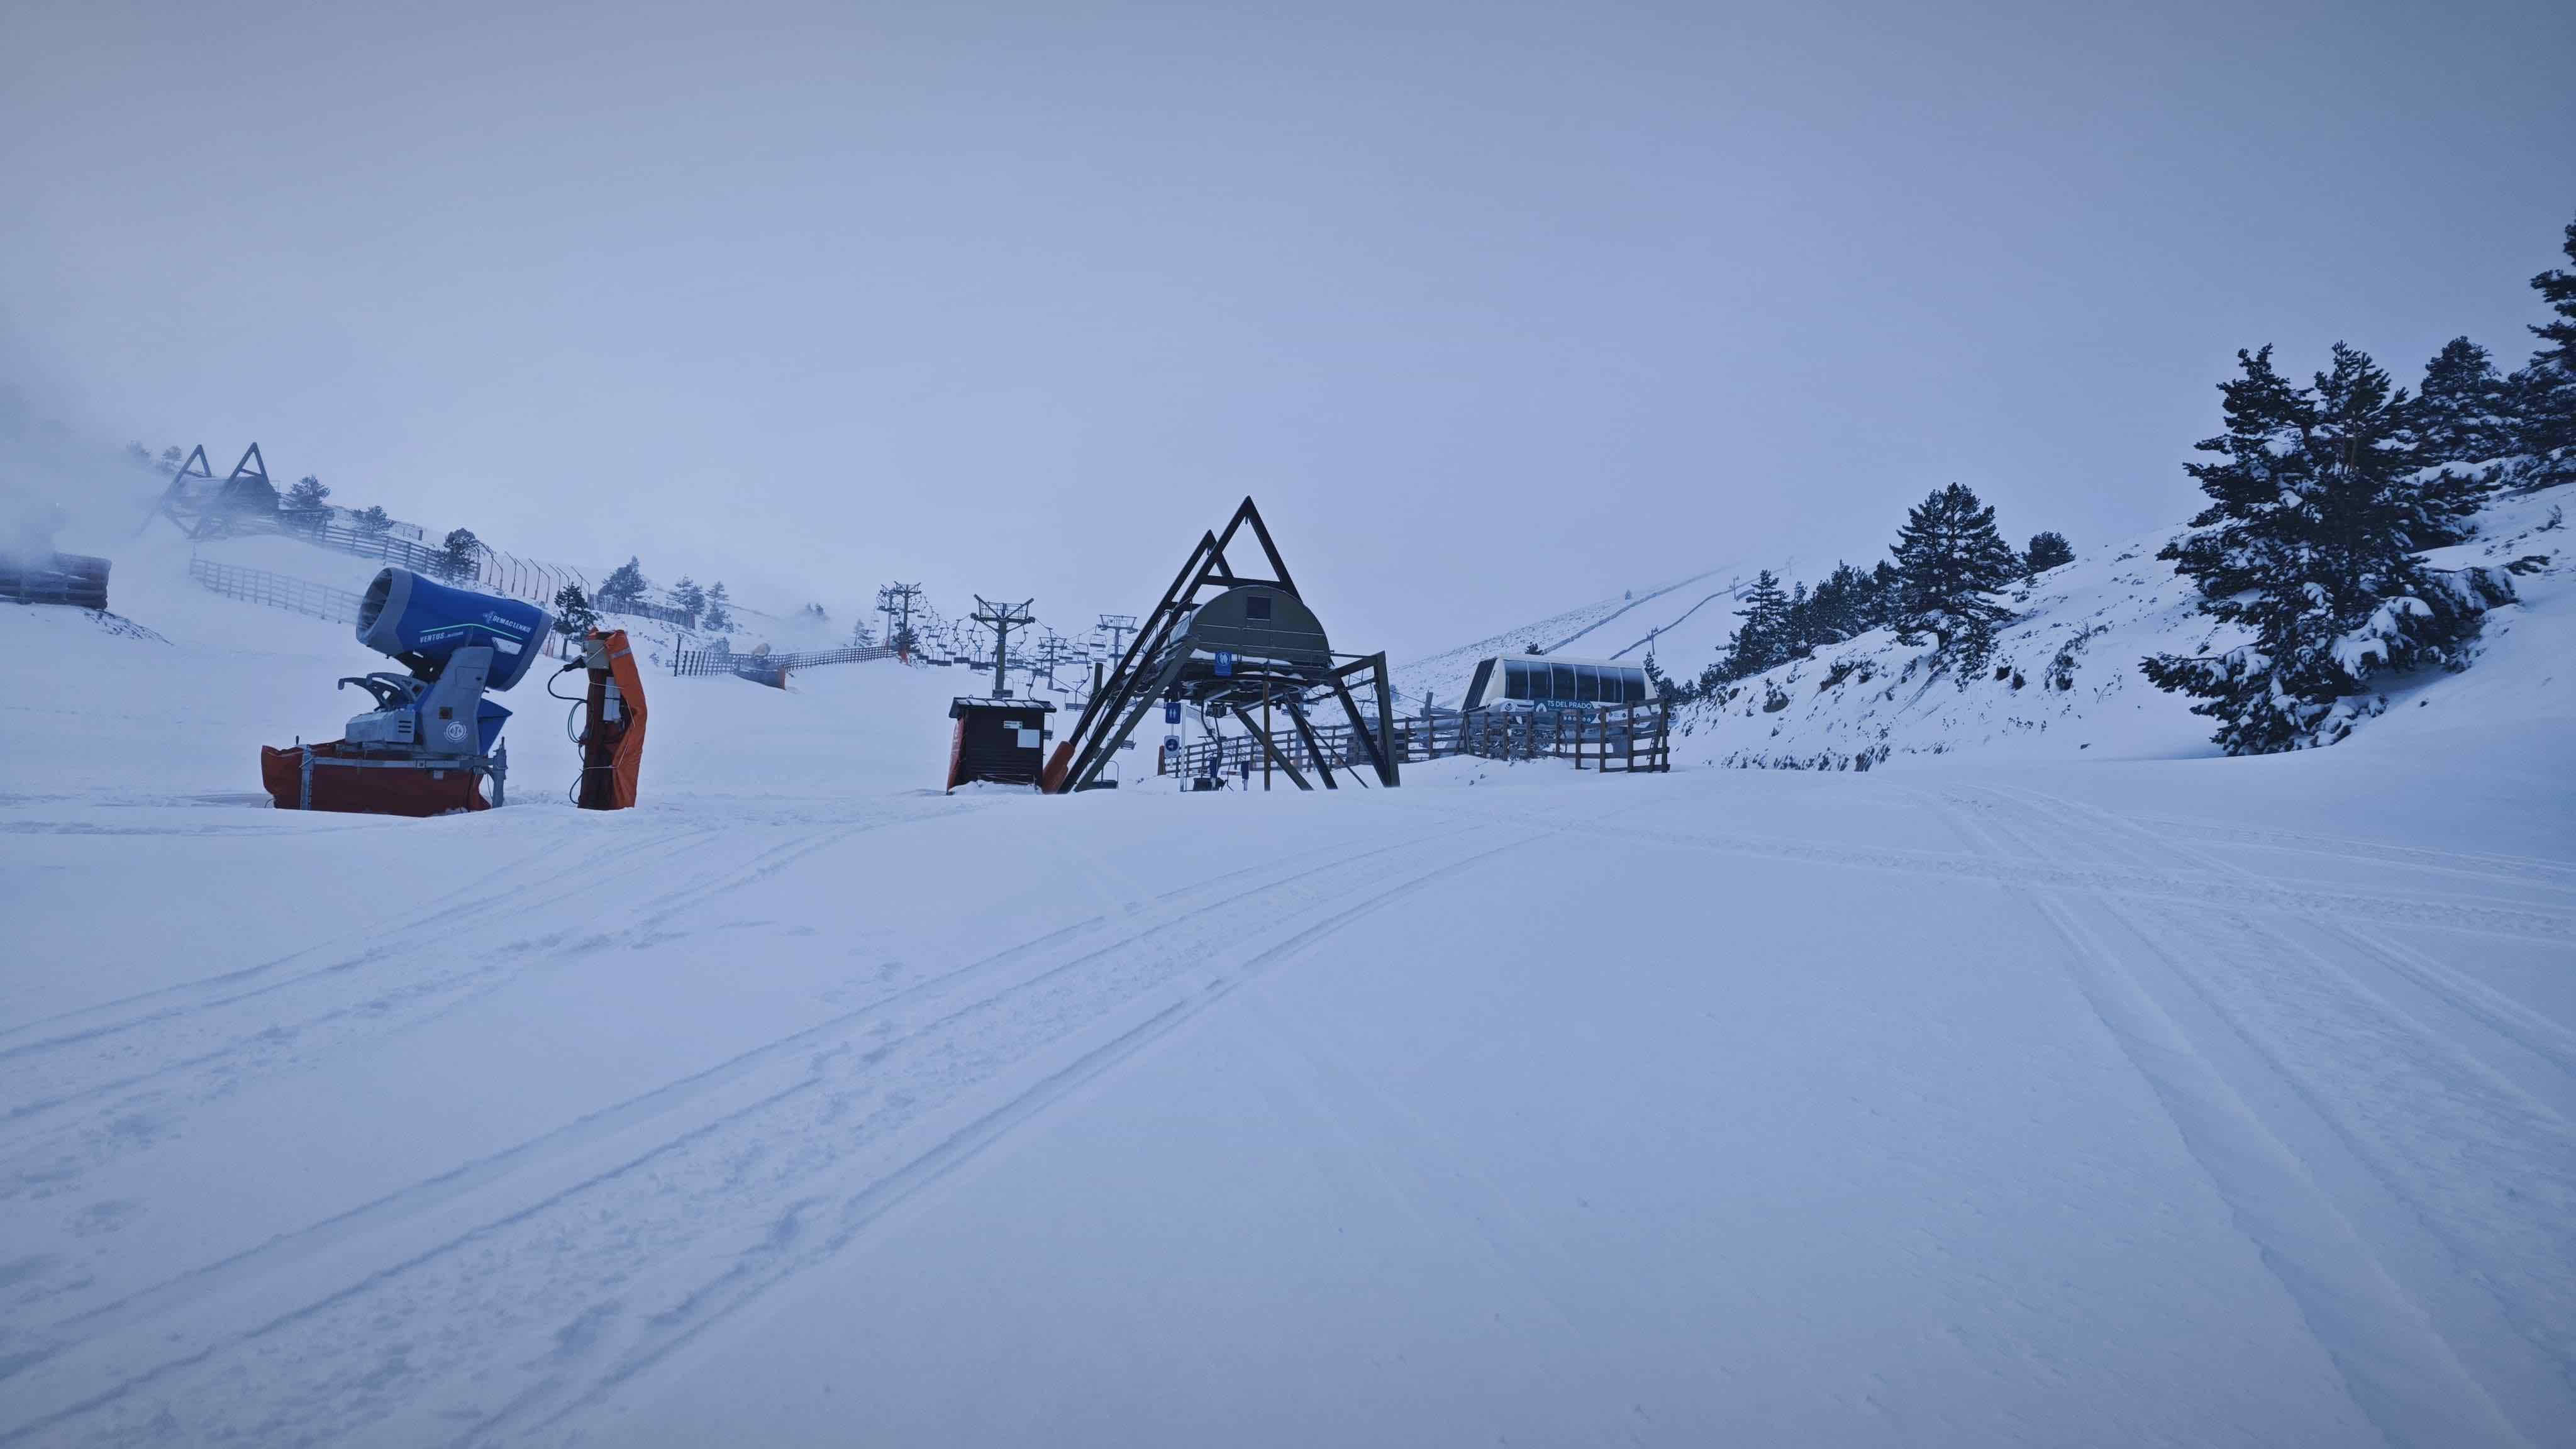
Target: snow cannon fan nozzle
{"type": "Point", "coordinates": [421, 624]}
{"type": "Point", "coordinates": [432, 737]}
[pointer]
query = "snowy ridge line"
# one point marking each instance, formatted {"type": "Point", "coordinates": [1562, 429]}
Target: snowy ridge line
{"type": "Point", "coordinates": [1629, 605]}
{"type": "Point", "coordinates": [1731, 591]}
{"type": "Point", "coordinates": [2494, 916]}
{"type": "Point", "coordinates": [2380, 1345]}
{"type": "Point", "coordinates": [2383, 1101]}
{"type": "Point", "coordinates": [1448, 669]}
{"type": "Point", "coordinates": [841, 1075]}
{"type": "Point", "coordinates": [744, 1284]}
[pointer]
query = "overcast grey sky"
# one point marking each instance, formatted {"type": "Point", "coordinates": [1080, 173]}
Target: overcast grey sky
{"type": "Point", "coordinates": [1494, 307]}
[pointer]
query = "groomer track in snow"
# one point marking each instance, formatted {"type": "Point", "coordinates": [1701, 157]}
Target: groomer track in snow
{"type": "Point", "coordinates": [2206, 1101]}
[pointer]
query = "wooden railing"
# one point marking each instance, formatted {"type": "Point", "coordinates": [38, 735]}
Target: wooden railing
{"type": "Point", "coordinates": [725, 661]}
{"type": "Point", "coordinates": [1613, 739]}
{"type": "Point", "coordinates": [259, 586]}
{"type": "Point", "coordinates": [493, 571]}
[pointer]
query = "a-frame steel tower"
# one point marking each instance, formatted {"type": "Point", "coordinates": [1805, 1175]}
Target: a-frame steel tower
{"type": "Point", "coordinates": [1238, 645]}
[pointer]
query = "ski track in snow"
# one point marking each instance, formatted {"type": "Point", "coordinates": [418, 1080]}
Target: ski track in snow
{"type": "Point", "coordinates": [232, 1028]}
{"type": "Point", "coordinates": [2551, 919]}
{"type": "Point", "coordinates": [732, 1166]}
{"type": "Point", "coordinates": [2351, 1137]}
{"type": "Point", "coordinates": [2350, 1098]}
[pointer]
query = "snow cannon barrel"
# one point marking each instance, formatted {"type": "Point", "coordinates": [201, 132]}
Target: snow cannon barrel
{"type": "Point", "coordinates": [420, 622]}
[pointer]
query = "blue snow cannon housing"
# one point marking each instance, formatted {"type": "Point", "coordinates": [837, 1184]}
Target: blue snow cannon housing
{"type": "Point", "coordinates": [421, 622]}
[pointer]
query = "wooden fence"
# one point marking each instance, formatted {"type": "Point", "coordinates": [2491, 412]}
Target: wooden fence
{"type": "Point", "coordinates": [725, 661]}
{"type": "Point", "coordinates": [1612, 739]}
{"type": "Point", "coordinates": [300, 596]}
{"type": "Point", "coordinates": [259, 586]}
{"type": "Point", "coordinates": [495, 572]}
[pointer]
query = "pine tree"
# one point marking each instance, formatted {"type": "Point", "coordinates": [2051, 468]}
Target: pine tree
{"type": "Point", "coordinates": [308, 494]}
{"type": "Point", "coordinates": [2048, 550]}
{"type": "Point", "coordinates": [1948, 559]}
{"type": "Point", "coordinates": [2460, 426]}
{"type": "Point", "coordinates": [1886, 595]}
{"type": "Point", "coordinates": [460, 556]}
{"type": "Point", "coordinates": [1660, 682]}
{"type": "Point", "coordinates": [374, 519]}
{"type": "Point", "coordinates": [573, 613]}
{"type": "Point", "coordinates": [2308, 543]}
{"type": "Point", "coordinates": [1761, 641]}
{"type": "Point", "coordinates": [2545, 392]}
{"type": "Point", "coordinates": [719, 615]}
{"type": "Point", "coordinates": [1838, 609]}
{"type": "Point", "coordinates": [1798, 625]}
{"type": "Point", "coordinates": [624, 587]}
{"type": "Point", "coordinates": [2465, 412]}
{"type": "Point", "coordinates": [689, 599]}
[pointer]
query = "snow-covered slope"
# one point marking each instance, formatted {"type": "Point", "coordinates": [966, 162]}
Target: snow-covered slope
{"type": "Point", "coordinates": [2065, 680]}
{"type": "Point", "coordinates": [2008, 1099]}
{"type": "Point", "coordinates": [1674, 618]}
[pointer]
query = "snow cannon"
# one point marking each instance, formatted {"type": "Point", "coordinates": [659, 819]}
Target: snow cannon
{"type": "Point", "coordinates": [422, 624]}
{"type": "Point", "coordinates": [432, 738]}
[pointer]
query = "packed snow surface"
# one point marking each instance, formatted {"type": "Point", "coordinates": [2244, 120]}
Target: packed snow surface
{"type": "Point", "coordinates": [1994, 1099]}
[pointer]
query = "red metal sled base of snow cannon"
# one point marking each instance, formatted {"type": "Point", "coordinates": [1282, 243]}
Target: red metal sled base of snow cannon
{"type": "Point", "coordinates": [334, 777]}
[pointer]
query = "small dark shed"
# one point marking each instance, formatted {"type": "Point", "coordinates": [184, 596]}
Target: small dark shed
{"type": "Point", "coordinates": [1001, 740]}
{"type": "Point", "coordinates": [55, 578]}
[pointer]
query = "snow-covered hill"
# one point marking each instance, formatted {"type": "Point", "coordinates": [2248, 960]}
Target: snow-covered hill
{"type": "Point", "coordinates": [2065, 681]}
{"type": "Point", "coordinates": [2064, 678]}
{"type": "Point", "coordinates": [1674, 619]}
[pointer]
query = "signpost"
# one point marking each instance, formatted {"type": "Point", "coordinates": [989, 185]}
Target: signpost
{"type": "Point", "coordinates": [1225, 664]}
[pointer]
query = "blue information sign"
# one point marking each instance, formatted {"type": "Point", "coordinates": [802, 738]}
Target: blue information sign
{"type": "Point", "coordinates": [1224, 664]}
{"type": "Point", "coordinates": [1171, 711]}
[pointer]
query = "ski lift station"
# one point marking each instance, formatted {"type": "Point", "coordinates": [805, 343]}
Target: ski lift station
{"type": "Point", "coordinates": [1252, 639]}
{"type": "Point", "coordinates": [1538, 682]}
